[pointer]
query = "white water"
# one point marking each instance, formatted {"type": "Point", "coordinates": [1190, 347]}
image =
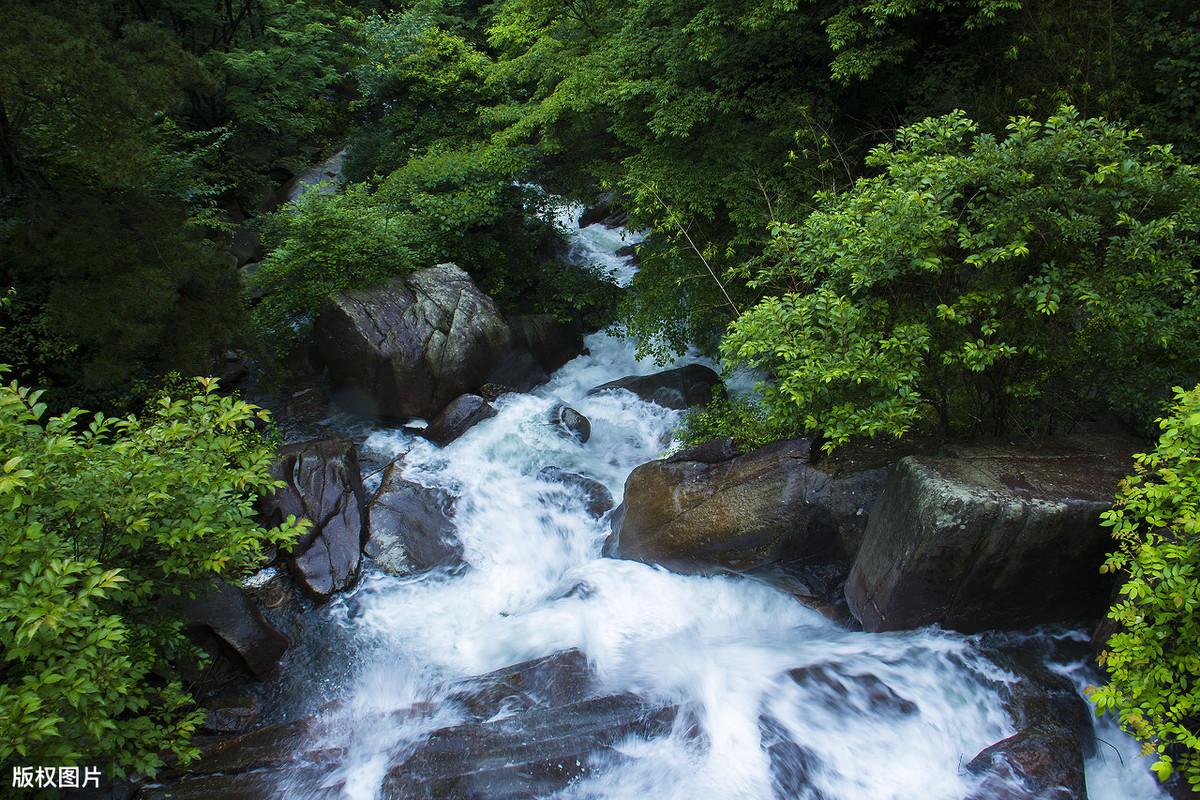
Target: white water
{"type": "Point", "coordinates": [720, 647]}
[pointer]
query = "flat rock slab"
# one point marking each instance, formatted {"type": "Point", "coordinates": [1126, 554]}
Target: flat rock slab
{"type": "Point", "coordinates": [990, 537]}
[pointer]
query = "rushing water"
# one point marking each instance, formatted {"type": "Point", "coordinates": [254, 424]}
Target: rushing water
{"type": "Point", "coordinates": [719, 647]}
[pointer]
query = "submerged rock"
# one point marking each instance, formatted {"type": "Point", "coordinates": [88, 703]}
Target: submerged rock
{"type": "Point", "coordinates": [529, 730]}
{"type": "Point", "coordinates": [407, 348]}
{"type": "Point", "coordinates": [410, 526]}
{"type": "Point", "coordinates": [960, 539]}
{"type": "Point", "coordinates": [597, 498]}
{"type": "Point", "coordinates": [675, 388]}
{"type": "Point", "coordinates": [463, 413]}
{"type": "Point", "coordinates": [324, 485]}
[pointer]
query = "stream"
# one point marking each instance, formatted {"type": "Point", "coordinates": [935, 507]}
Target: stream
{"type": "Point", "coordinates": [894, 715]}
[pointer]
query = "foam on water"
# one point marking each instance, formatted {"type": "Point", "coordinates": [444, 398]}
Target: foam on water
{"type": "Point", "coordinates": [719, 647]}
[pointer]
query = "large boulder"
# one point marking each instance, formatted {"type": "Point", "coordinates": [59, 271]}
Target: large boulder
{"type": "Point", "coordinates": [549, 341]}
{"type": "Point", "coordinates": [675, 388]}
{"type": "Point", "coordinates": [410, 526]}
{"type": "Point", "coordinates": [1037, 763]}
{"type": "Point", "coordinates": [959, 539]}
{"type": "Point", "coordinates": [223, 612]}
{"type": "Point", "coordinates": [461, 415]}
{"type": "Point", "coordinates": [738, 511]}
{"type": "Point", "coordinates": [409, 347]}
{"type": "Point", "coordinates": [518, 370]}
{"type": "Point", "coordinates": [324, 485]}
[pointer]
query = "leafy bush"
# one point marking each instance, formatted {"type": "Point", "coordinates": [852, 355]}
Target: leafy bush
{"type": "Point", "coordinates": [745, 419]}
{"type": "Point", "coordinates": [101, 521]}
{"type": "Point", "coordinates": [1153, 660]}
{"type": "Point", "coordinates": [326, 243]}
{"type": "Point", "coordinates": [983, 284]}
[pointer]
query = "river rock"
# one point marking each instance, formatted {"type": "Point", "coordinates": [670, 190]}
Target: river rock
{"type": "Point", "coordinates": [551, 342]}
{"type": "Point", "coordinates": [409, 347]}
{"type": "Point", "coordinates": [597, 498]}
{"type": "Point", "coordinates": [519, 370]}
{"type": "Point", "coordinates": [224, 612]}
{"type": "Point", "coordinates": [528, 730]}
{"type": "Point", "coordinates": [570, 422]}
{"type": "Point", "coordinates": [535, 753]}
{"type": "Point", "coordinates": [959, 539]}
{"type": "Point", "coordinates": [675, 388]}
{"type": "Point", "coordinates": [767, 505]}
{"type": "Point", "coordinates": [463, 413]}
{"type": "Point", "coordinates": [410, 526]}
{"type": "Point", "coordinates": [324, 485]}
{"type": "Point", "coordinates": [1038, 763]}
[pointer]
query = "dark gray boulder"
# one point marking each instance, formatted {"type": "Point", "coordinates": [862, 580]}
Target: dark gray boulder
{"type": "Point", "coordinates": [570, 423]}
{"type": "Point", "coordinates": [324, 485]}
{"type": "Point", "coordinates": [225, 612]}
{"type": "Point", "coordinates": [597, 498]}
{"type": "Point", "coordinates": [961, 538]}
{"type": "Point", "coordinates": [463, 413]}
{"type": "Point", "coordinates": [746, 510]}
{"type": "Point", "coordinates": [519, 370]}
{"type": "Point", "coordinates": [675, 388]}
{"type": "Point", "coordinates": [409, 347]}
{"type": "Point", "coordinates": [410, 526]}
{"type": "Point", "coordinates": [549, 341]}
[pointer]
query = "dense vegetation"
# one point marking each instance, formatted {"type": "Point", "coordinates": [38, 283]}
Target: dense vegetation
{"type": "Point", "coordinates": [1152, 662]}
{"type": "Point", "coordinates": [106, 519]}
{"type": "Point", "coordinates": [971, 216]}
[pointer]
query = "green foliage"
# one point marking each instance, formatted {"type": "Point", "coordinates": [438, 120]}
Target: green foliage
{"type": "Point", "coordinates": [983, 283]}
{"type": "Point", "coordinates": [1153, 660]}
{"type": "Point", "coordinates": [744, 419]}
{"type": "Point", "coordinates": [326, 243]}
{"type": "Point", "coordinates": [103, 521]}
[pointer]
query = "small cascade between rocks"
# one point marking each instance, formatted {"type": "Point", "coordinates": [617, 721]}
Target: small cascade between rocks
{"type": "Point", "coordinates": [539, 668]}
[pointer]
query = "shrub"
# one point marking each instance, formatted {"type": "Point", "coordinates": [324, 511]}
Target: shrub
{"type": "Point", "coordinates": [983, 284]}
{"type": "Point", "coordinates": [101, 520]}
{"type": "Point", "coordinates": [1153, 660]}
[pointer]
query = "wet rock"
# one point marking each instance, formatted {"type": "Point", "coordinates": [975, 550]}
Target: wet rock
{"type": "Point", "coordinates": [959, 539]}
{"type": "Point", "coordinates": [519, 369]}
{"type": "Point", "coordinates": [791, 764]}
{"type": "Point", "coordinates": [552, 681]}
{"type": "Point", "coordinates": [675, 388]}
{"type": "Point", "coordinates": [225, 613]}
{"type": "Point", "coordinates": [463, 413]}
{"type": "Point", "coordinates": [324, 485]}
{"type": "Point", "coordinates": [767, 505]}
{"type": "Point", "coordinates": [494, 391]}
{"type": "Point", "coordinates": [843, 690]}
{"type": "Point", "coordinates": [570, 422]}
{"type": "Point", "coordinates": [551, 342]}
{"type": "Point", "coordinates": [1039, 763]}
{"type": "Point", "coordinates": [410, 526]}
{"type": "Point", "coordinates": [409, 347]}
{"type": "Point", "coordinates": [597, 498]}
{"type": "Point", "coordinates": [604, 213]}
{"type": "Point", "coordinates": [628, 251]}
{"type": "Point", "coordinates": [531, 754]}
